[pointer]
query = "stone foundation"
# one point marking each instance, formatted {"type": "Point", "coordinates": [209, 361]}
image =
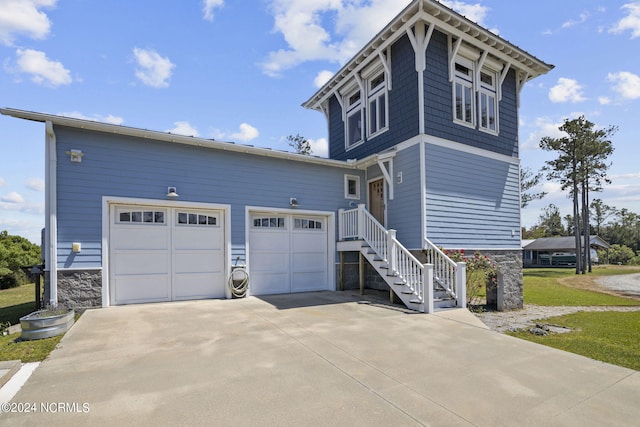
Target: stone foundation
{"type": "Point", "coordinates": [77, 289]}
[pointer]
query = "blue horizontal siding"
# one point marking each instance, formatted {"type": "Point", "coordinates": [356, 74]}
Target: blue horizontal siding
{"type": "Point", "coordinates": [471, 201]}
{"type": "Point", "coordinates": [405, 210]}
{"type": "Point", "coordinates": [122, 166]}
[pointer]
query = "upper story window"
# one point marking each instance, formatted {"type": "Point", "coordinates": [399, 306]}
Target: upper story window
{"type": "Point", "coordinates": [488, 101]}
{"type": "Point", "coordinates": [377, 104]}
{"type": "Point", "coordinates": [463, 102]}
{"type": "Point", "coordinates": [475, 94]}
{"type": "Point", "coordinates": [354, 119]}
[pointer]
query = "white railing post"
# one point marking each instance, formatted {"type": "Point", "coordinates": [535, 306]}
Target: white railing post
{"type": "Point", "coordinates": [427, 287]}
{"type": "Point", "coordinates": [391, 252]}
{"type": "Point", "coordinates": [461, 284]}
{"type": "Point", "coordinates": [361, 211]}
{"type": "Point", "coordinates": [341, 225]}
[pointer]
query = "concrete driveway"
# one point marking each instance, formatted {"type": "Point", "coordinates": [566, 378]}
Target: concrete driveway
{"type": "Point", "coordinates": [313, 359]}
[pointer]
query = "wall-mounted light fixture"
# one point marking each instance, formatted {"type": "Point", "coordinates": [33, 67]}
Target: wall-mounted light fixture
{"type": "Point", "coordinates": [293, 202]}
{"type": "Point", "coordinates": [75, 155]}
{"type": "Point", "coordinates": [399, 178]}
{"type": "Point", "coordinates": [172, 193]}
{"type": "Point", "coordinates": [76, 247]}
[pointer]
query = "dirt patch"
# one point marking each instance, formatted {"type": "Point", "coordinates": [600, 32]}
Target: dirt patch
{"type": "Point", "coordinates": [592, 283]}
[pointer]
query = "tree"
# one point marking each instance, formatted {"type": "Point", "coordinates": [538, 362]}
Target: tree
{"type": "Point", "coordinates": [600, 212]}
{"type": "Point", "coordinates": [528, 181]}
{"type": "Point", "coordinates": [15, 251]}
{"type": "Point", "coordinates": [300, 144]}
{"type": "Point", "coordinates": [580, 168]}
{"type": "Point", "coordinates": [620, 254]}
{"type": "Point", "coordinates": [551, 221]}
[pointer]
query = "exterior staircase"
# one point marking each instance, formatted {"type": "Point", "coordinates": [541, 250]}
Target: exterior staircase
{"type": "Point", "coordinates": [438, 284]}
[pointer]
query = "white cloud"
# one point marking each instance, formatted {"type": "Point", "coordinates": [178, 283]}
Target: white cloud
{"type": "Point", "coordinates": [630, 22]}
{"type": "Point", "coordinates": [153, 70]}
{"type": "Point", "coordinates": [603, 100]}
{"type": "Point", "coordinates": [114, 120]}
{"type": "Point", "coordinates": [475, 12]}
{"type": "Point", "coordinates": [3, 183]}
{"type": "Point", "coordinates": [245, 133]}
{"type": "Point", "coordinates": [626, 84]}
{"type": "Point", "coordinates": [322, 77]}
{"type": "Point", "coordinates": [184, 128]}
{"type": "Point", "coordinates": [543, 126]}
{"type": "Point", "coordinates": [573, 22]}
{"type": "Point", "coordinates": [567, 90]}
{"type": "Point", "coordinates": [319, 147]}
{"type": "Point", "coordinates": [12, 197]}
{"type": "Point", "coordinates": [208, 6]}
{"type": "Point", "coordinates": [42, 69]}
{"type": "Point", "coordinates": [24, 17]}
{"type": "Point", "coordinates": [36, 184]}
{"type": "Point", "coordinates": [304, 26]}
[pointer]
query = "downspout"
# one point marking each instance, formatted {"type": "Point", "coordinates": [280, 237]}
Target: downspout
{"type": "Point", "coordinates": [51, 210]}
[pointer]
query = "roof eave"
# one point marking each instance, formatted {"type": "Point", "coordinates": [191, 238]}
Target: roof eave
{"type": "Point", "coordinates": [173, 138]}
{"type": "Point", "coordinates": [447, 21]}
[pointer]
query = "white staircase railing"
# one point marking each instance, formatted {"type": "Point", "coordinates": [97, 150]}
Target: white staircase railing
{"type": "Point", "coordinates": [442, 272]}
{"type": "Point", "coordinates": [448, 275]}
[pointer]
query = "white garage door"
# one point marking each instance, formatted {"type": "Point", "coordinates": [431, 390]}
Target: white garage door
{"type": "Point", "coordinates": [288, 253]}
{"type": "Point", "coordinates": [165, 254]}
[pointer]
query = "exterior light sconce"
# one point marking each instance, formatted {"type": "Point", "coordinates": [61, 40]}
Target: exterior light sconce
{"type": "Point", "coordinates": [172, 193]}
{"type": "Point", "coordinates": [75, 155]}
{"type": "Point", "coordinates": [293, 202]}
{"type": "Point", "coordinates": [76, 247]}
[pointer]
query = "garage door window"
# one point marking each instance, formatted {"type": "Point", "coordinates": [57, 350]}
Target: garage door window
{"type": "Point", "coordinates": [193, 218]}
{"type": "Point", "coordinates": [268, 222]}
{"type": "Point", "coordinates": [307, 224]}
{"type": "Point", "coordinates": [148, 217]}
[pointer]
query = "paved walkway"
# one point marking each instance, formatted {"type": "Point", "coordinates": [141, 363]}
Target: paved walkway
{"type": "Point", "coordinates": [313, 359]}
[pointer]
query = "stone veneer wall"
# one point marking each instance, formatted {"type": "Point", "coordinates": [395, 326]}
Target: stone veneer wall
{"type": "Point", "coordinates": [77, 289]}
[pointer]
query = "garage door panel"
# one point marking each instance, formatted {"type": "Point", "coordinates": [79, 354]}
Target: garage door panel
{"type": "Point", "coordinates": [309, 281]}
{"type": "Point", "coordinates": [199, 262]}
{"type": "Point", "coordinates": [134, 238]}
{"type": "Point", "coordinates": [198, 286]}
{"type": "Point", "coordinates": [198, 238]}
{"type": "Point", "coordinates": [269, 283]}
{"type": "Point", "coordinates": [143, 288]}
{"type": "Point", "coordinates": [135, 263]}
{"type": "Point", "coordinates": [163, 254]}
{"type": "Point", "coordinates": [312, 261]}
{"type": "Point", "coordinates": [288, 253]}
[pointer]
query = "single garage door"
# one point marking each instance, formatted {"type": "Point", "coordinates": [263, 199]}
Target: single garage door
{"type": "Point", "coordinates": [288, 253]}
{"type": "Point", "coordinates": [165, 254]}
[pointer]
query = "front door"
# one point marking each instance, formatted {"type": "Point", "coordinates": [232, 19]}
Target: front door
{"type": "Point", "coordinates": [376, 200]}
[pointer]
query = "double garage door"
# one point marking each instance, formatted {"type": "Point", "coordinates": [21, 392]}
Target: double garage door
{"type": "Point", "coordinates": [165, 254]}
{"type": "Point", "coordinates": [288, 253]}
{"type": "Point", "coordinates": [159, 253]}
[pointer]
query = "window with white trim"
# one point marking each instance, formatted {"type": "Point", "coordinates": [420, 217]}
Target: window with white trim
{"type": "Point", "coordinates": [140, 216]}
{"type": "Point", "coordinates": [194, 218]}
{"type": "Point", "coordinates": [463, 98]}
{"type": "Point", "coordinates": [352, 187]}
{"type": "Point", "coordinates": [268, 222]}
{"type": "Point", "coordinates": [377, 103]}
{"type": "Point", "coordinates": [307, 224]}
{"type": "Point", "coordinates": [488, 104]}
{"type": "Point", "coordinates": [354, 119]}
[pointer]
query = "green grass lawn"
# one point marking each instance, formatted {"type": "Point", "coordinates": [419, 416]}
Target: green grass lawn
{"type": "Point", "coordinates": [15, 303]}
{"type": "Point", "coordinates": [612, 337]}
{"type": "Point", "coordinates": [609, 336]}
{"type": "Point", "coordinates": [541, 287]}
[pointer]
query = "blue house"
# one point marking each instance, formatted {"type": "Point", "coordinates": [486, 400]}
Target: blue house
{"type": "Point", "coordinates": [423, 147]}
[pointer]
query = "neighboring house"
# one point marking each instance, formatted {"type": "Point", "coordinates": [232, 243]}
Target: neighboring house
{"type": "Point", "coordinates": [559, 251]}
{"type": "Point", "coordinates": [423, 147]}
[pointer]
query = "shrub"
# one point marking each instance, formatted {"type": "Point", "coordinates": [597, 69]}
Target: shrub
{"type": "Point", "coordinates": [482, 272]}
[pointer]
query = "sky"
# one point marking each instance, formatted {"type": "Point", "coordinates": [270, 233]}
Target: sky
{"type": "Point", "coordinates": [239, 71]}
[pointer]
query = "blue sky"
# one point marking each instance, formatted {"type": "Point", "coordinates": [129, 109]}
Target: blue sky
{"type": "Point", "coordinates": [238, 71]}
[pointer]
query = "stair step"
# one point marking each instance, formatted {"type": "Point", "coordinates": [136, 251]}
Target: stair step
{"type": "Point", "coordinates": [415, 301]}
{"type": "Point", "coordinates": [407, 292]}
{"type": "Point", "coordinates": [399, 283]}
